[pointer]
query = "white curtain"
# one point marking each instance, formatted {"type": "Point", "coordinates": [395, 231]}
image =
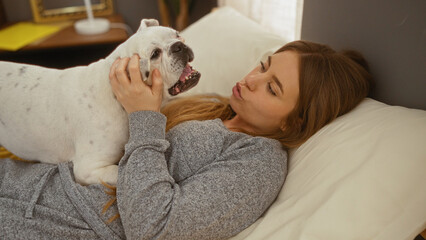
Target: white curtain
{"type": "Point", "coordinates": [283, 17]}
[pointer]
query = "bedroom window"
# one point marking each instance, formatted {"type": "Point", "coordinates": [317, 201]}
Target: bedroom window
{"type": "Point", "coordinates": [282, 17]}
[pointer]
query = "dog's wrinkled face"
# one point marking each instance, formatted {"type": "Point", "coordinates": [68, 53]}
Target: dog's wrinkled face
{"type": "Point", "coordinates": [163, 48]}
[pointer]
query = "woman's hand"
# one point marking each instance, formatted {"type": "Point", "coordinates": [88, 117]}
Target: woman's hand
{"type": "Point", "coordinates": [129, 88]}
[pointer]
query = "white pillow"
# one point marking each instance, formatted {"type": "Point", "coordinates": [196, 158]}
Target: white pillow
{"type": "Point", "coordinates": [363, 176]}
{"type": "Point", "coordinates": [360, 177]}
{"type": "Point", "coordinates": [227, 46]}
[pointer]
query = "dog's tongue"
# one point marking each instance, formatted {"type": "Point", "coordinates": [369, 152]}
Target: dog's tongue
{"type": "Point", "coordinates": [187, 80]}
{"type": "Point", "coordinates": [185, 73]}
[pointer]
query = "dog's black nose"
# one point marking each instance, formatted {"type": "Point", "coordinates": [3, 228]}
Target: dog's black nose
{"type": "Point", "coordinates": [178, 47]}
{"type": "Point", "coordinates": [181, 50]}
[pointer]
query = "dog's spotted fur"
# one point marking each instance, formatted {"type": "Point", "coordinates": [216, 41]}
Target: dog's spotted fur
{"type": "Point", "coordinates": [54, 115]}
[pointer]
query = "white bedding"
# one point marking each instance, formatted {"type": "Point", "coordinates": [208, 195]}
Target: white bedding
{"type": "Point", "coordinates": [361, 177]}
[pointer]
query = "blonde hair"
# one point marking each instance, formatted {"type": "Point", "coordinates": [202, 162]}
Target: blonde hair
{"type": "Point", "coordinates": [330, 84]}
{"type": "Point", "coordinates": [200, 107]}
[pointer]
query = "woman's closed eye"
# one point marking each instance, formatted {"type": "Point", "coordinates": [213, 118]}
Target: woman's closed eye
{"type": "Point", "coordinates": [269, 85]}
{"type": "Point", "coordinates": [270, 89]}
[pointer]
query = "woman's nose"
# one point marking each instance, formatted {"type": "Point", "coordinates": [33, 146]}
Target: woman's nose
{"type": "Point", "coordinates": [251, 82]}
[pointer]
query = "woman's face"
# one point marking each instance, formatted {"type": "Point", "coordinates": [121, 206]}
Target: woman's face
{"type": "Point", "coordinates": [267, 95]}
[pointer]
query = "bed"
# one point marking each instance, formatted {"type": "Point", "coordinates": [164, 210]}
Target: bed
{"type": "Point", "coordinates": [362, 176]}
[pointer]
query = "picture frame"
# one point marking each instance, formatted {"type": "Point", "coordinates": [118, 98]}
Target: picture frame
{"type": "Point", "coordinates": [43, 13]}
{"type": "Point", "coordinates": [2, 15]}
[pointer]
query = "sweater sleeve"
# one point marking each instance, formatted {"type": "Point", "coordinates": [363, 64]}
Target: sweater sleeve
{"type": "Point", "coordinates": [217, 202]}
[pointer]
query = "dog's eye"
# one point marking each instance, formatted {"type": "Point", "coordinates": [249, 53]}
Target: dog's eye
{"type": "Point", "coordinates": [155, 54]}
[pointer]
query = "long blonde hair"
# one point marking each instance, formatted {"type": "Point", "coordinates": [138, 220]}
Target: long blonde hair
{"type": "Point", "coordinates": [330, 84]}
{"type": "Point", "coordinates": [200, 107]}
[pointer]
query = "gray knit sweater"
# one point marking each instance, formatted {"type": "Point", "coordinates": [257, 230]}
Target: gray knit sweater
{"type": "Point", "coordinates": [198, 181]}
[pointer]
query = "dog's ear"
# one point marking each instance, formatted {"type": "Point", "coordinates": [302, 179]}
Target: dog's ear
{"type": "Point", "coordinates": [145, 71]}
{"type": "Point", "coordinates": [148, 23]}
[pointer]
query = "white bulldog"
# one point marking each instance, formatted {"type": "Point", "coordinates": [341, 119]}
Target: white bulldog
{"type": "Point", "coordinates": [55, 116]}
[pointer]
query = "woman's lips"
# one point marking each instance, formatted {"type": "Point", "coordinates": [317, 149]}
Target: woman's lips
{"type": "Point", "coordinates": [236, 91]}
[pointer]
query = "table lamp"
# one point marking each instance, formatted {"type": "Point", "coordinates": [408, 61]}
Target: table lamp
{"type": "Point", "coordinates": [91, 25]}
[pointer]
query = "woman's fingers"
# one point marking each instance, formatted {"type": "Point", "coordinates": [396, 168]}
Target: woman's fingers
{"type": "Point", "coordinates": [121, 71]}
{"type": "Point", "coordinates": [157, 83]}
{"type": "Point", "coordinates": [134, 71]}
{"type": "Point", "coordinates": [113, 78]}
{"type": "Point", "coordinates": [112, 69]}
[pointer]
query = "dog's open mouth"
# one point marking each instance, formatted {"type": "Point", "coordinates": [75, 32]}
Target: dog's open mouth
{"type": "Point", "coordinates": [188, 79]}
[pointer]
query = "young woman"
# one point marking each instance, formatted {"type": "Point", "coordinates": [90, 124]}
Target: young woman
{"type": "Point", "coordinates": [202, 167]}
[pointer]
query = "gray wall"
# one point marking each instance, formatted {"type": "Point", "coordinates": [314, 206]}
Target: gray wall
{"type": "Point", "coordinates": [390, 33]}
{"type": "Point", "coordinates": [131, 10]}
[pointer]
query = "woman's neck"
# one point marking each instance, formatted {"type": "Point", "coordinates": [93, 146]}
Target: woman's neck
{"type": "Point", "coordinates": [236, 124]}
